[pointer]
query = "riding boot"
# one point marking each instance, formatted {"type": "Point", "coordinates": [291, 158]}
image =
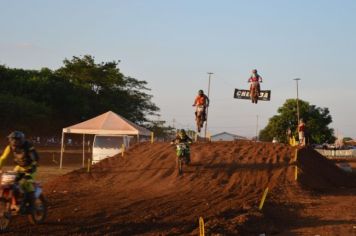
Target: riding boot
{"type": "Point", "coordinates": [31, 202]}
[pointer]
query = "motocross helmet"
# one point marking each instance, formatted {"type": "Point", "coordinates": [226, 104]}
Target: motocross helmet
{"type": "Point", "coordinates": [16, 135]}
{"type": "Point", "coordinates": [201, 92]}
{"type": "Point", "coordinates": [16, 138]}
{"type": "Point", "coordinates": [182, 133]}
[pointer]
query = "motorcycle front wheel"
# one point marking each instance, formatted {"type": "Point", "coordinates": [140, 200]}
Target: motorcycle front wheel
{"type": "Point", "coordinates": [39, 214]}
{"type": "Point", "coordinates": [180, 165]}
{"type": "Point", "coordinates": [5, 214]}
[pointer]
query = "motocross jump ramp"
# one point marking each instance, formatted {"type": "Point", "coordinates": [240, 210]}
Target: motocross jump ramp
{"type": "Point", "coordinates": [142, 194]}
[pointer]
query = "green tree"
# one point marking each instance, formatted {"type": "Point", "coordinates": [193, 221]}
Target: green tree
{"type": "Point", "coordinates": [23, 114]}
{"type": "Point", "coordinates": [160, 130]}
{"type": "Point", "coordinates": [103, 88]}
{"type": "Point", "coordinates": [44, 101]}
{"type": "Point", "coordinates": [316, 119]}
{"type": "Point", "coordinates": [346, 139]}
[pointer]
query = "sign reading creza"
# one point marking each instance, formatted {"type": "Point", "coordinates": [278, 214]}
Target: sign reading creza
{"type": "Point", "coordinates": [265, 95]}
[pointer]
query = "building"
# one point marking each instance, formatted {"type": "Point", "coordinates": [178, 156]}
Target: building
{"type": "Point", "coordinates": [225, 136]}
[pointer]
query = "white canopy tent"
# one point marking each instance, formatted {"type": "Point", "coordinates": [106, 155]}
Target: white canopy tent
{"type": "Point", "coordinates": [108, 123]}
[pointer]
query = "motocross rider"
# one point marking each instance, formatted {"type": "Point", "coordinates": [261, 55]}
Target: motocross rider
{"type": "Point", "coordinates": [26, 157]}
{"type": "Point", "coordinates": [255, 80]}
{"type": "Point", "coordinates": [182, 137]}
{"type": "Point", "coordinates": [201, 100]}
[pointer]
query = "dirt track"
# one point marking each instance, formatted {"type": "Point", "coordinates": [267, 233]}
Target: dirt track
{"type": "Point", "coordinates": [141, 194]}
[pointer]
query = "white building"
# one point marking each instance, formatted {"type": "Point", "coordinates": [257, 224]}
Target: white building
{"type": "Point", "coordinates": [225, 136]}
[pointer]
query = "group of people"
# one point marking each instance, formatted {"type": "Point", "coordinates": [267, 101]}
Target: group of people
{"type": "Point", "coordinates": [301, 130]}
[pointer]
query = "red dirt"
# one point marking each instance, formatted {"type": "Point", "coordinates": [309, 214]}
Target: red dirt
{"type": "Point", "coordinates": [141, 194]}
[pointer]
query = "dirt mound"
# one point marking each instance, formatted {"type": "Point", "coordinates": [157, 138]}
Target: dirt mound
{"type": "Point", "coordinates": [142, 194]}
{"type": "Point", "coordinates": [319, 173]}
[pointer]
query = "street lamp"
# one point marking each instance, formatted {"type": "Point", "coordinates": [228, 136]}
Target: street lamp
{"type": "Point", "coordinates": [296, 80]}
{"type": "Point", "coordinates": [206, 122]}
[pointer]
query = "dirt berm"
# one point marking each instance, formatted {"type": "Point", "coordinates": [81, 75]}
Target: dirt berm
{"type": "Point", "coordinates": [142, 194]}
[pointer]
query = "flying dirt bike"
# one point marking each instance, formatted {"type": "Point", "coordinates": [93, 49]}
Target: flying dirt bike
{"type": "Point", "coordinates": [11, 200]}
{"type": "Point", "coordinates": [182, 156]}
{"type": "Point", "coordinates": [199, 117]}
{"type": "Point", "coordinates": [255, 92]}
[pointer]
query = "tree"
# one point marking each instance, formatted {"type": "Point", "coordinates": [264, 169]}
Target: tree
{"type": "Point", "coordinates": [103, 88]}
{"type": "Point", "coordinates": [316, 119]}
{"type": "Point", "coordinates": [160, 130]}
{"type": "Point", "coordinates": [346, 139]}
{"type": "Point", "coordinates": [44, 101]}
{"type": "Point", "coordinates": [23, 114]}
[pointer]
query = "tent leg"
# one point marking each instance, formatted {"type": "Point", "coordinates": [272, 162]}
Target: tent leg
{"type": "Point", "coordinates": [62, 150]}
{"type": "Point", "coordinates": [83, 150]}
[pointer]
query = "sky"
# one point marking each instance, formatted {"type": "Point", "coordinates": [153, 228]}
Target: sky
{"type": "Point", "coordinates": [174, 44]}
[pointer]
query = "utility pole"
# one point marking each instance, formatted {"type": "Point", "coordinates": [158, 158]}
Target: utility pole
{"type": "Point", "coordinates": [173, 123]}
{"type": "Point", "coordinates": [206, 122]}
{"type": "Point", "coordinates": [298, 116]}
{"type": "Point", "coordinates": [337, 133]}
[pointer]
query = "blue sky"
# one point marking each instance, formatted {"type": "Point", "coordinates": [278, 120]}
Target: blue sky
{"type": "Point", "coordinates": [173, 44]}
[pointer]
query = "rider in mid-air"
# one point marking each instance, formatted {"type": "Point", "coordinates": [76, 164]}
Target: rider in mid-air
{"type": "Point", "coordinates": [26, 158]}
{"type": "Point", "coordinates": [201, 100]}
{"type": "Point", "coordinates": [182, 137]}
{"type": "Point", "coordinates": [255, 80]}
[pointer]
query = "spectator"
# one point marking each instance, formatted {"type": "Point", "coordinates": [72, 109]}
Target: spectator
{"type": "Point", "coordinates": [289, 134]}
{"type": "Point", "coordinates": [301, 132]}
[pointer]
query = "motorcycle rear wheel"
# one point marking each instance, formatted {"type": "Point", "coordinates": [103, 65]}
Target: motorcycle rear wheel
{"type": "Point", "coordinates": [254, 95]}
{"type": "Point", "coordinates": [199, 123]}
{"type": "Point", "coordinates": [39, 215]}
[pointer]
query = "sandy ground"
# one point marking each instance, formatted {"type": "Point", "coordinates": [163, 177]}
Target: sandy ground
{"type": "Point", "coordinates": [142, 194]}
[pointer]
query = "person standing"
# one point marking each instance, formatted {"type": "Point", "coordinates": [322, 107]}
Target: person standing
{"type": "Point", "coordinates": [301, 132]}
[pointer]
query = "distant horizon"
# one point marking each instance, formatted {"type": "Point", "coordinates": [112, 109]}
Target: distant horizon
{"type": "Point", "coordinates": [191, 126]}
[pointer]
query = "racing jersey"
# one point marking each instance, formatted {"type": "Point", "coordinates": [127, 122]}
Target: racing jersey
{"type": "Point", "coordinates": [255, 79]}
{"type": "Point", "coordinates": [24, 156]}
{"type": "Point", "coordinates": [301, 127]}
{"type": "Point", "coordinates": [202, 100]}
